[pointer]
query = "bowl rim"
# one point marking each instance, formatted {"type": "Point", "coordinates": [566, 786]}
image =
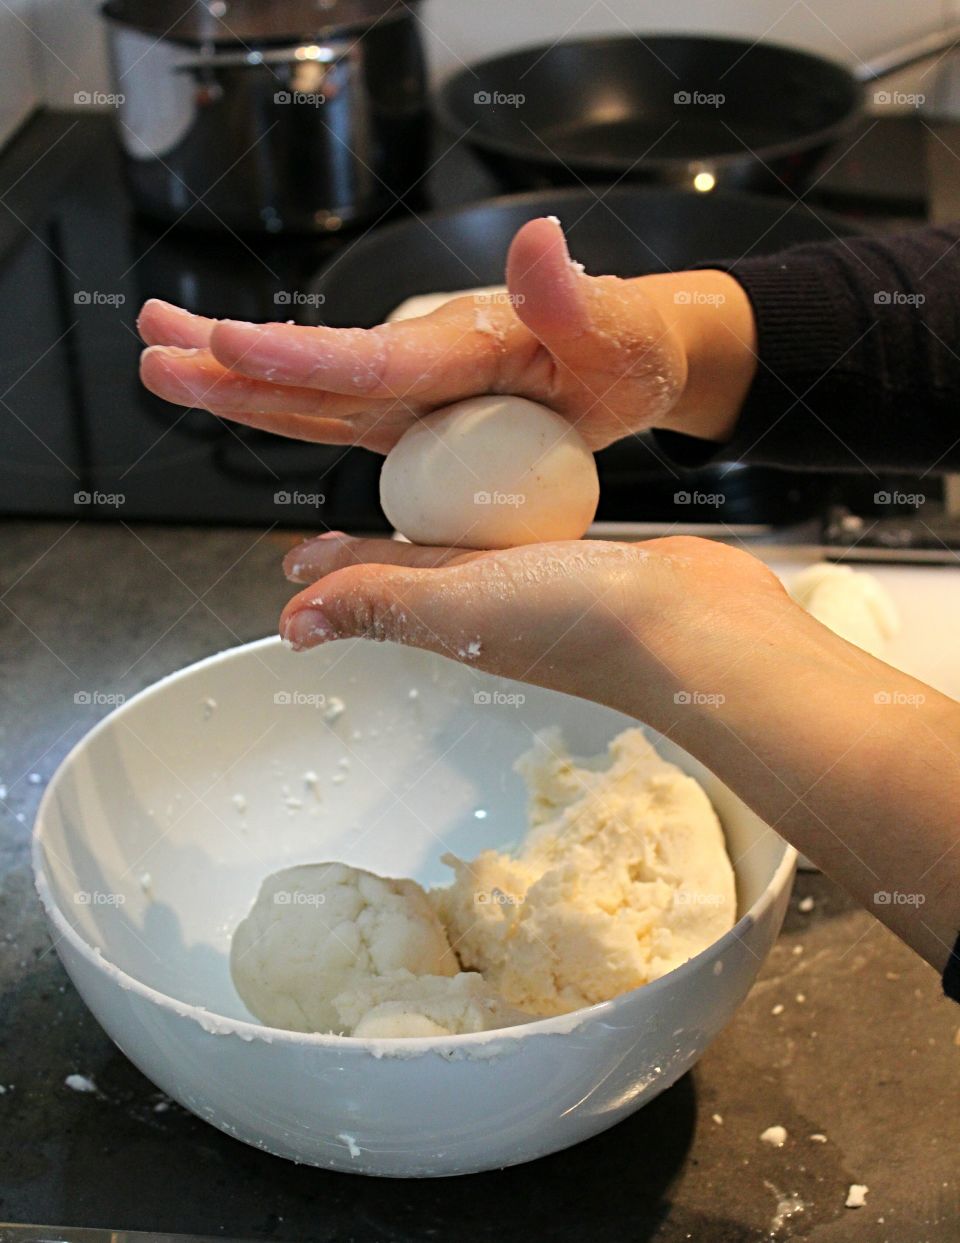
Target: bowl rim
{"type": "Point", "coordinates": [251, 1030]}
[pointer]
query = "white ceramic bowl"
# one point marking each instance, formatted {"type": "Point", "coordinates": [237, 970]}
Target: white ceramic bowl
{"type": "Point", "coordinates": [153, 837]}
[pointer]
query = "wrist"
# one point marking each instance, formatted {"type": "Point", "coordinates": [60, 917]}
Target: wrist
{"type": "Point", "coordinates": [710, 623]}
{"type": "Point", "coordinates": [710, 314]}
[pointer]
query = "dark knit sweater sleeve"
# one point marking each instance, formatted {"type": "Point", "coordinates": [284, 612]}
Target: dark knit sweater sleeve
{"type": "Point", "coordinates": [858, 357]}
{"type": "Point", "coordinates": [951, 974]}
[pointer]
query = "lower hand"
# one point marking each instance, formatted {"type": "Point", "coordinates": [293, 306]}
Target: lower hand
{"type": "Point", "coordinates": [628, 625]}
{"type": "Point", "coordinates": [852, 761]}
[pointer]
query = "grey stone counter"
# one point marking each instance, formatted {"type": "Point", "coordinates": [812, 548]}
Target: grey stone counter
{"type": "Point", "coordinates": [864, 1050]}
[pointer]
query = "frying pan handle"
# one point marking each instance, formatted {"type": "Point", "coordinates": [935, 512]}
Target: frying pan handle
{"type": "Point", "coordinates": [937, 42]}
{"type": "Point", "coordinates": [233, 59]}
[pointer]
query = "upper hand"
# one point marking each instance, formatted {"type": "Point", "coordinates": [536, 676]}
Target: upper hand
{"type": "Point", "coordinates": [598, 350]}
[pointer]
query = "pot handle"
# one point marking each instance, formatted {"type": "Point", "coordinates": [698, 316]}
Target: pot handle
{"type": "Point", "coordinates": [301, 54]}
{"type": "Point", "coordinates": [937, 42]}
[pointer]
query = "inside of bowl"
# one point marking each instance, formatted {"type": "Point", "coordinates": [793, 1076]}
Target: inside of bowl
{"type": "Point", "coordinates": [157, 832]}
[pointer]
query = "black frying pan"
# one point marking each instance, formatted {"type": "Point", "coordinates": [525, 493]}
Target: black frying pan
{"type": "Point", "coordinates": [626, 231]}
{"type": "Point", "coordinates": [677, 110]}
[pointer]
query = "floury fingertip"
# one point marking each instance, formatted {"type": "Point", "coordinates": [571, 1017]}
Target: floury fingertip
{"type": "Point", "coordinates": [307, 628]}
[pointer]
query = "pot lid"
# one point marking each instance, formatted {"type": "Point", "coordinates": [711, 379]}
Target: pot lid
{"type": "Point", "coordinates": [252, 21]}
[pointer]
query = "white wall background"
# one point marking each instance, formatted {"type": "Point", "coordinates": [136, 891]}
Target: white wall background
{"type": "Point", "coordinates": [65, 51]}
{"type": "Point", "coordinates": [20, 76]}
{"type": "Point", "coordinates": [843, 29]}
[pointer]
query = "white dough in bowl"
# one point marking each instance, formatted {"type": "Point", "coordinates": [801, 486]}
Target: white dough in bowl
{"type": "Point", "coordinates": [490, 472]}
{"type": "Point", "coordinates": [851, 602]}
{"type": "Point", "coordinates": [319, 930]}
{"type": "Point", "coordinates": [424, 303]}
{"type": "Point", "coordinates": [623, 876]}
{"type": "Point", "coordinates": [428, 1005]}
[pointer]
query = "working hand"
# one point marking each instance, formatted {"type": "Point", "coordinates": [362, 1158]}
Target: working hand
{"type": "Point", "coordinates": [613, 356]}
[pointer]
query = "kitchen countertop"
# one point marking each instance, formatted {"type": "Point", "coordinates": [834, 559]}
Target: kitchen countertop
{"type": "Point", "coordinates": [865, 1050]}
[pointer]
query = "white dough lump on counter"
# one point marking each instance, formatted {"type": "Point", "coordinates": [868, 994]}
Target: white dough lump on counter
{"type": "Point", "coordinates": [623, 876]}
{"type": "Point", "coordinates": [852, 603]}
{"type": "Point", "coordinates": [425, 303]}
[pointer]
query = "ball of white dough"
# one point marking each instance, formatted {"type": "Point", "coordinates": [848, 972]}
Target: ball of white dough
{"type": "Point", "coordinates": [490, 472]}
{"type": "Point", "coordinates": [322, 929]}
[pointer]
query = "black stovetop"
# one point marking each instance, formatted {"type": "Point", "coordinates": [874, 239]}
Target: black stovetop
{"type": "Point", "coordinates": [79, 437]}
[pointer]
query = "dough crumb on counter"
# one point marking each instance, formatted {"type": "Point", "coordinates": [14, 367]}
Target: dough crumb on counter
{"type": "Point", "coordinates": [80, 1083]}
{"type": "Point", "coordinates": [856, 1196]}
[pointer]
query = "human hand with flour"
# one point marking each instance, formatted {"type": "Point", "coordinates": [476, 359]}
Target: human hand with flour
{"type": "Point", "coordinates": [790, 718]}
{"type": "Point", "coordinates": [852, 761]}
{"type": "Point", "coordinates": [612, 356]}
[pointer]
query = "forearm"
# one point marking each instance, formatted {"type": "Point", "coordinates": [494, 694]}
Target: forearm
{"type": "Point", "coordinates": [855, 763]}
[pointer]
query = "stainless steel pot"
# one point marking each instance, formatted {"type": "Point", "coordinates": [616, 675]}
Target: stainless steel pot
{"type": "Point", "coordinates": [277, 115]}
